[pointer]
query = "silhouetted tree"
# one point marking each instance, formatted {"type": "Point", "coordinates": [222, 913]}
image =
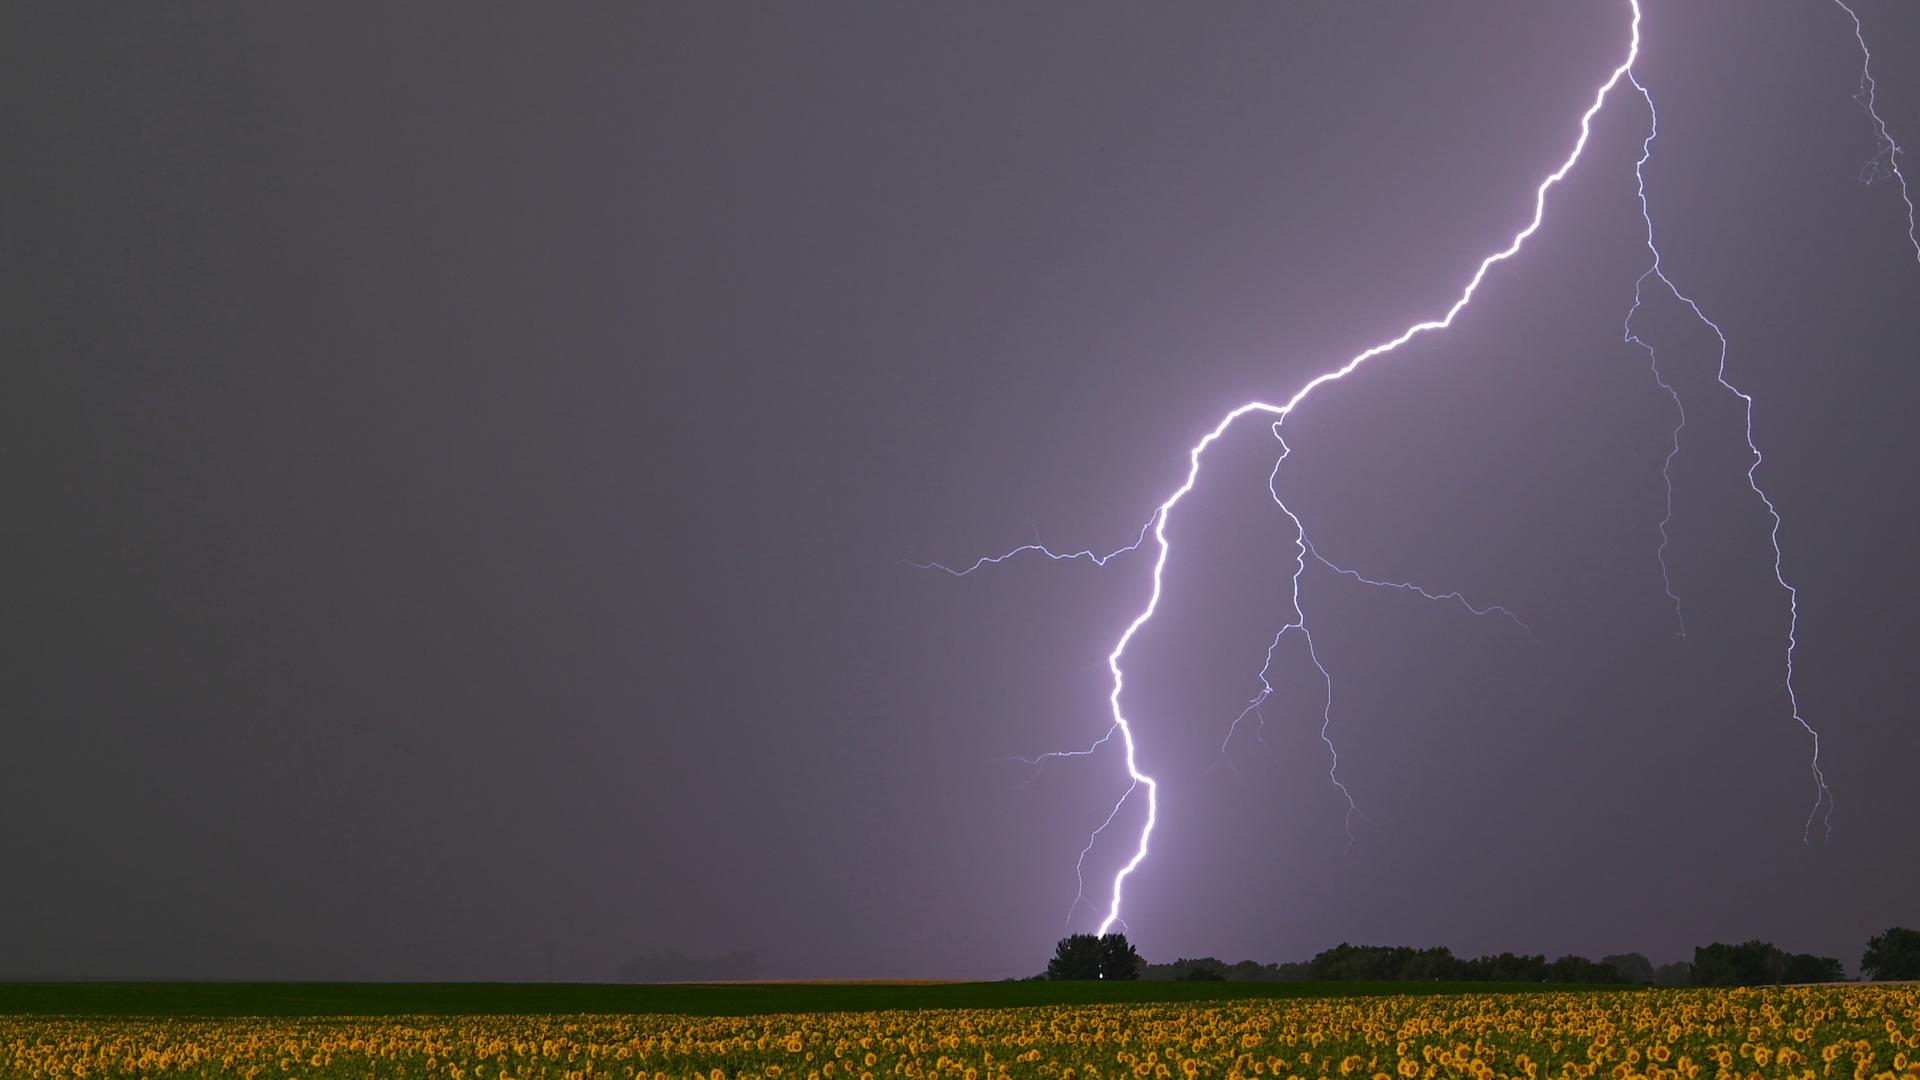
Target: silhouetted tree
{"type": "Point", "coordinates": [1361, 963]}
{"type": "Point", "coordinates": [678, 967]}
{"type": "Point", "coordinates": [1678, 973]}
{"type": "Point", "coordinates": [1631, 967]}
{"type": "Point", "coordinates": [1808, 968]}
{"type": "Point", "coordinates": [1084, 956]}
{"type": "Point", "coordinates": [1579, 969]}
{"type": "Point", "coordinates": [1507, 967]}
{"type": "Point", "coordinates": [1752, 963]}
{"type": "Point", "coordinates": [1760, 963]}
{"type": "Point", "coordinates": [1430, 965]}
{"type": "Point", "coordinates": [1892, 955]}
{"type": "Point", "coordinates": [1075, 957]}
{"type": "Point", "coordinates": [1181, 970]}
{"type": "Point", "coordinates": [1347, 962]}
{"type": "Point", "coordinates": [1118, 958]}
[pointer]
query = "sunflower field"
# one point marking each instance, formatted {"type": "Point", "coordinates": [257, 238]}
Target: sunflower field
{"type": "Point", "coordinates": [1847, 1032]}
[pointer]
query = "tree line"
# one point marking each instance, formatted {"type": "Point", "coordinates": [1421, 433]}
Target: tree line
{"type": "Point", "coordinates": [1894, 954]}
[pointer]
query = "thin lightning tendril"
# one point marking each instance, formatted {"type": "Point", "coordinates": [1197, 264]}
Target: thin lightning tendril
{"type": "Point", "coordinates": [1079, 867]}
{"type": "Point", "coordinates": [1821, 793]}
{"type": "Point", "coordinates": [1039, 761]}
{"type": "Point", "coordinates": [1408, 586]}
{"type": "Point", "coordinates": [994, 560]}
{"type": "Point", "coordinates": [1885, 161]}
{"type": "Point", "coordinates": [1303, 548]}
{"type": "Point", "coordinates": [1653, 362]}
{"type": "Point", "coordinates": [1299, 623]}
{"type": "Point", "coordinates": [1254, 703]}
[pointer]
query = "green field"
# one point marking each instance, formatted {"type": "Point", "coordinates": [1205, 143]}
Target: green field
{"type": "Point", "coordinates": [737, 999]}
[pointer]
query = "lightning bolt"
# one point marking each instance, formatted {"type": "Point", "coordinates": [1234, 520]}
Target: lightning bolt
{"type": "Point", "coordinates": [1821, 793]}
{"type": "Point", "coordinates": [1299, 624]}
{"type": "Point", "coordinates": [1417, 590]}
{"type": "Point", "coordinates": [1039, 761]}
{"type": "Point", "coordinates": [1156, 526]}
{"type": "Point", "coordinates": [1157, 523]}
{"type": "Point", "coordinates": [1326, 715]}
{"type": "Point", "coordinates": [1280, 413]}
{"type": "Point", "coordinates": [1653, 362]}
{"type": "Point", "coordinates": [1303, 548]}
{"type": "Point", "coordinates": [1885, 161]}
{"type": "Point", "coordinates": [1080, 865]}
{"type": "Point", "coordinates": [1040, 549]}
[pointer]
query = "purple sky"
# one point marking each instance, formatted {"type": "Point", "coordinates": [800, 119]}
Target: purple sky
{"type": "Point", "coordinates": [465, 465]}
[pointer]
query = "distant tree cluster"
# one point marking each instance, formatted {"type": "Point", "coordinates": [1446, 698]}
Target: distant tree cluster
{"type": "Point", "coordinates": [1375, 963]}
{"type": "Point", "coordinates": [1678, 973]}
{"type": "Point", "coordinates": [1084, 956]}
{"type": "Point", "coordinates": [1760, 963]}
{"type": "Point", "coordinates": [1631, 967]}
{"type": "Point", "coordinates": [1387, 963]}
{"type": "Point", "coordinates": [1208, 969]}
{"type": "Point", "coordinates": [679, 967]}
{"type": "Point", "coordinates": [1892, 955]}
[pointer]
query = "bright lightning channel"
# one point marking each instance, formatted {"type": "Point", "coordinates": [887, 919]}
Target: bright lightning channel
{"type": "Point", "coordinates": [1886, 162]}
{"type": "Point", "coordinates": [1280, 413]}
{"type": "Point", "coordinates": [1157, 523]}
{"type": "Point", "coordinates": [1822, 795]}
{"type": "Point", "coordinates": [1886, 158]}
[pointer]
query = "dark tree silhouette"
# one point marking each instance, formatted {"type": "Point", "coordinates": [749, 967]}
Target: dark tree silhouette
{"type": "Point", "coordinates": [1678, 973]}
{"type": "Point", "coordinates": [1579, 969]}
{"type": "Point", "coordinates": [1084, 956]}
{"type": "Point", "coordinates": [1429, 965]}
{"type": "Point", "coordinates": [1631, 967]}
{"type": "Point", "coordinates": [678, 967]}
{"type": "Point", "coordinates": [1808, 968]}
{"type": "Point", "coordinates": [1397, 963]}
{"type": "Point", "coordinates": [1119, 959]}
{"type": "Point", "coordinates": [1892, 955]}
{"type": "Point", "coordinates": [1201, 969]}
{"type": "Point", "coordinates": [1075, 957]}
{"type": "Point", "coordinates": [1759, 963]}
{"type": "Point", "coordinates": [1506, 967]}
{"type": "Point", "coordinates": [1751, 963]}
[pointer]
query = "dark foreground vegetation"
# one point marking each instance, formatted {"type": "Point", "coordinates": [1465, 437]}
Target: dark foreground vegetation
{"type": "Point", "coordinates": [1892, 955]}
{"type": "Point", "coordinates": [1755, 963]}
{"type": "Point", "coordinates": [744, 999]}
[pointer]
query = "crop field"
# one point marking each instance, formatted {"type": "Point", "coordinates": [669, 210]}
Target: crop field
{"type": "Point", "coordinates": [1799, 1033]}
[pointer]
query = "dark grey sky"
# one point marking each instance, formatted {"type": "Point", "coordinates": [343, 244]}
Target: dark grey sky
{"type": "Point", "coordinates": [463, 461]}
